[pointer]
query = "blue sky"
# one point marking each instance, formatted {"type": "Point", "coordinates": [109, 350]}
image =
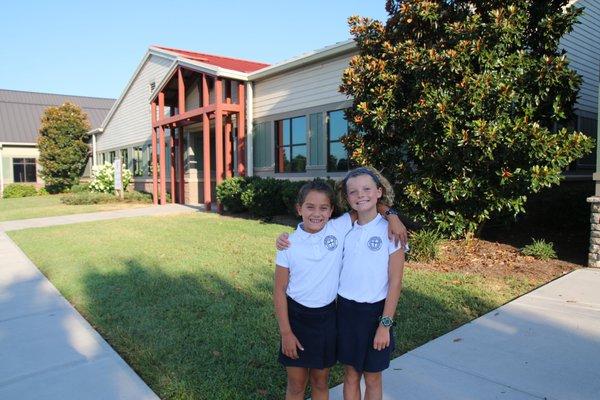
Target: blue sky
{"type": "Point", "coordinates": [91, 48]}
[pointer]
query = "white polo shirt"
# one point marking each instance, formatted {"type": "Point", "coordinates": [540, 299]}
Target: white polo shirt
{"type": "Point", "coordinates": [314, 261]}
{"type": "Point", "coordinates": [367, 248]}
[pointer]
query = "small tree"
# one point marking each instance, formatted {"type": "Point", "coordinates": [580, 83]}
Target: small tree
{"type": "Point", "coordinates": [461, 104]}
{"type": "Point", "coordinates": [62, 145]}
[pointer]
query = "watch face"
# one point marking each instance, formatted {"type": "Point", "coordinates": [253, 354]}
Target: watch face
{"type": "Point", "coordinates": [386, 321]}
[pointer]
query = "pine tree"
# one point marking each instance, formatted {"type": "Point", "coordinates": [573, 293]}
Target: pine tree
{"type": "Point", "coordinates": [464, 105]}
{"type": "Point", "coordinates": [62, 145]}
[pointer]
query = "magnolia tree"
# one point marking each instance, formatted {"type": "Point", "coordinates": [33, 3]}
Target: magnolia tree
{"type": "Point", "coordinates": [103, 178]}
{"type": "Point", "coordinates": [62, 145]}
{"type": "Point", "coordinates": [464, 105]}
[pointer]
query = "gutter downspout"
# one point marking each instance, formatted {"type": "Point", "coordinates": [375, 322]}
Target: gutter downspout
{"type": "Point", "coordinates": [249, 132]}
{"type": "Point", "coordinates": [94, 157]}
{"type": "Point", "coordinates": [1, 173]}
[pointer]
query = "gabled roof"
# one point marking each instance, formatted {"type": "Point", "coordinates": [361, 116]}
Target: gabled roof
{"type": "Point", "coordinates": [20, 112]}
{"type": "Point", "coordinates": [235, 64]}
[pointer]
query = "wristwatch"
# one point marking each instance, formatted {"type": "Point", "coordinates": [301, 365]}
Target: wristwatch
{"type": "Point", "coordinates": [386, 321]}
{"type": "Point", "coordinates": [391, 211]}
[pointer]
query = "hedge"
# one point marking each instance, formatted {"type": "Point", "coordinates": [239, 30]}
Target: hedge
{"type": "Point", "coordinates": [19, 190]}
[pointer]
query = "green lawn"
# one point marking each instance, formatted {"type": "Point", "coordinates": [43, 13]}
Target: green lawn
{"type": "Point", "coordinates": [186, 300]}
{"type": "Point", "coordinates": [50, 206]}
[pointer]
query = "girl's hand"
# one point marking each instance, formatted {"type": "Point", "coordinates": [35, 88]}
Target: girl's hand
{"type": "Point", "coordinates": [290, 345]}
{"type": "Point", "coordinates": [397, 230]}
{"type": "Point", "coordinates": [282, 242]}
{"type": "Point", "coordinates": [382, 338]}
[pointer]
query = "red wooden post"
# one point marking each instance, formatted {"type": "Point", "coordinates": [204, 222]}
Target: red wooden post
{"type": "Point", "coordinates": [181, 168]}
{"type": "Point", "coordinates": [173, 160]}
{"type": "Point", "coordinates": [181, 106]}
{"type": "Point", "coordinates": [163, 158]}
{"type": "Point", "coordinates": [241, 130]}
{"type": "Point", "coordinates": [206, 146]}
{"type": "Point", "coordinates": [154, 171]}
{"type": "Point", "coordinates": [219, 132]}
{"type": "Point", "coordinates": [228, 148]}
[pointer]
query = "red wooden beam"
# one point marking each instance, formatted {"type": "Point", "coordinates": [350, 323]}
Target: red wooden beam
{"type": "Point", "coordinates": [219, 134]}
{"type": "Point", "coordinates": [180, 91]}
{"type": "Point", "coordinates": [185, 116]}
{"type": "Point", "coordinates": [154, 171]}
{"type": "Point", "coordinates": [228, 148]}
{"type": "Point", "coordinates": [181, 168]}
{"type": "Point", "coordinates": [206, 167]}
{"type": "Point", "coordinates": [241, 130]}
{"type": "Point", "coordinates": [163, 167]}
{"type": "Point", "coordinates": [173, 160]}
{"type": "Point", "coordinates": [205, 94]}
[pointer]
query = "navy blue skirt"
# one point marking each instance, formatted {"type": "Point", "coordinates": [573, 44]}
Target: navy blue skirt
{"type": "Point", "coordinates": [315, 330]}
{"type": "Point", "coordinates": [357, 324]}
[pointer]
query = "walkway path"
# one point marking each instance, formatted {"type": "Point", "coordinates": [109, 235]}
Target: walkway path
{"type": "Point", "coordinates": [543, 345]}
{"type": "Point", "coordinates": [94, 216]}
{"type": "Point", "coordinates": [47, 349]}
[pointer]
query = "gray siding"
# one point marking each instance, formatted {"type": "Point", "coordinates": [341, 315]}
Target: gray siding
{"type": "Point", "coordinates": [583, 50]}
{"type": "Point", "coordinates": [305, 87]}
{"type": "Point", "coordinates": [131, 122]}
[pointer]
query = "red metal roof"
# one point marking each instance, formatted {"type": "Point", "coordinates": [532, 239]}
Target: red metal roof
{"type": "Point", "coordinates": [219, 61]}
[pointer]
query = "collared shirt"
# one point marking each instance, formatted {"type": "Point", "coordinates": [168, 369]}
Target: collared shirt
{"type": "Point", "coordinates": [367, 249]}
{"type": "Point", "coordinates": [314, 261]}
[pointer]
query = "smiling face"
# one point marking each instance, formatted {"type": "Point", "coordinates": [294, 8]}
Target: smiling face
{"type": "Point", "coordinates": [315, 211]}
{"type": "Point", "coordinates": [362, 193]}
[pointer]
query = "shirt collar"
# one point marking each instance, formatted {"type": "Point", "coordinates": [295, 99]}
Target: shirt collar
{"type": "Point", "coordinates": [369, 224]}
{"type": "Point", "coordinates": [305, 235]}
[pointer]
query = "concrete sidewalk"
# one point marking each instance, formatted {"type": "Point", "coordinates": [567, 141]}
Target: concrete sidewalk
{"type": "Point", "coordinates": [47, 349]}
{"type": "Point", "coordinates": [543, 345]}
{"type": "Point", "coordinates": [96, 216]}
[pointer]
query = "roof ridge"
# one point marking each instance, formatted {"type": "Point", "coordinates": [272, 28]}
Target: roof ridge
{"type": "Point", "coordinates": [55, 94]}
{"type": "Point", "coordinates": [208, 54]}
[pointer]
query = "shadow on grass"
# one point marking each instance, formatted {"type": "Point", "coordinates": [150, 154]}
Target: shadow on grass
{"type": "Point", "coordinates": [199, 336]}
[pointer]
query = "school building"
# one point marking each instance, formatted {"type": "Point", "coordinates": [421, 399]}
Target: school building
{"type": "Point", "coordinates": [187, 120]}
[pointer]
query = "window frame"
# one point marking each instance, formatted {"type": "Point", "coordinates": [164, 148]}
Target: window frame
{"type": "Point", "coordinates": [329, 141]}
{"type": "Point", "coordinates": [279, 154]}
{"type": "Point", "coordinates": [25, 163]}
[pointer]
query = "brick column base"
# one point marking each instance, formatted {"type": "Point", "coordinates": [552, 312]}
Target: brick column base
{"type": "Point", "coordinates": [594, 253]}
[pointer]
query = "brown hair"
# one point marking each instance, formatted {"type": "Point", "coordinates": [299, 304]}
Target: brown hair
{"type": "Point", "coordinates": [318, 185]}
{"type": "Point", "coordinates": [387, 196]}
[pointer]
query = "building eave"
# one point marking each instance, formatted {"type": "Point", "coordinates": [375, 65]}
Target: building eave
{"type": "Point", "coordinates": [325, 53]}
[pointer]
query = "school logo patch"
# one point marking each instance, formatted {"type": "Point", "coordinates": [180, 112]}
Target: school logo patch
{"type": "Point", "coordinates": [375, 243]}
{"type": "Point", "coordinates": [330, 242]}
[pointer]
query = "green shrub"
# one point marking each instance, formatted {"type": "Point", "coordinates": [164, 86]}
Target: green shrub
{"type": "Point", "coordinates": [424, 246]}
{"type": "Point", "coordinates": [540, 249]}
{"type": "Point", "coordinates": [138, 197]}
{"type": "Point", "coordinates": [262, 197]}
{"type": "Point", "coordinates": [229, 193]}
{"type": "Point", "coordinates": [88, 198]}
{"type": "Point", "coordinates": [80, 187]}
{"type": "Point", "coordinates": [15, 190]}
{"type": "Point", "coordinates": [43, 192]}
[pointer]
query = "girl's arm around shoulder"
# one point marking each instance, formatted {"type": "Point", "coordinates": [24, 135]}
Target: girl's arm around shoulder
{"type": "Point", "coordinates": [344, 222]}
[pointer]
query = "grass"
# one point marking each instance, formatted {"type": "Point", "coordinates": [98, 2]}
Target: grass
{"type": "Point", "coordinates": [49, 206]}
{"type": "Point", "coordinates": [186, 300]}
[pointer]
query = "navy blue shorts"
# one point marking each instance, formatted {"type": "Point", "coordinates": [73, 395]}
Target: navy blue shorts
{"type": "Point", "coordinates": [315, 330]}
{"type": "Point", "coordinates": [357, 323]}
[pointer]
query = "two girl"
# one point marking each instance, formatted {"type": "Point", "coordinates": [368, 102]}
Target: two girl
{"type": "Point", "coordinates": [356, 263]}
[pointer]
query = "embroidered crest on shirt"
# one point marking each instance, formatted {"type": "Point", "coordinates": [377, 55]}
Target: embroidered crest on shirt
{"type": "Point", "coordinates": [374, 243]}
{"type": "Point", "coordinates": [330, 242]}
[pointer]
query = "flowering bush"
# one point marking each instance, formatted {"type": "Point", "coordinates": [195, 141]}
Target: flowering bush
{"type": "Point", "coordinates": [103, 178]}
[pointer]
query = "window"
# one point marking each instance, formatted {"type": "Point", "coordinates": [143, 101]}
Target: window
{"type": "Point", "coordinates": [111, 156]}
{"type": "Point", "coordinates": [337, 127]}
{"type": "Point", "coordinates": [125, 158]}
{"type": "Point", "coordinates": [290, 145]}
{"type": "Point", "coordinates": [137, 162]}
{"type": "Point", "coordinates": [24, 170]}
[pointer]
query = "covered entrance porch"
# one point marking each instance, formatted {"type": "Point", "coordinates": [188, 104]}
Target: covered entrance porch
{"type": "Point", "coordinates": [203, 115]}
